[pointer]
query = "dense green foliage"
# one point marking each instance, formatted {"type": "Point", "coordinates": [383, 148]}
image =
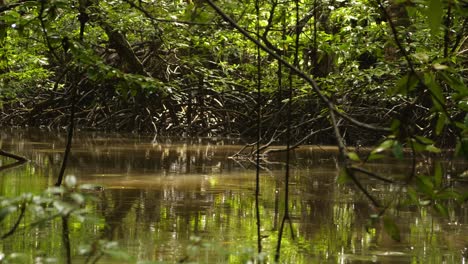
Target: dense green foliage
{"type": "Point", "coordinates": [175, 66]}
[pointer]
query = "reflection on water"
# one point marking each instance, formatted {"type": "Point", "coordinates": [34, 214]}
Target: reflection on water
{"type": "Point", "coordinates": [172, 200]}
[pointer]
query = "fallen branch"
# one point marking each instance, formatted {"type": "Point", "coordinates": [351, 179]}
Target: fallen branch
{"type": "Point", "coordinates": [13, 156]}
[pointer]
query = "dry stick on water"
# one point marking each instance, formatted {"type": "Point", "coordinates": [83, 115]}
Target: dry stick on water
{"type": "Point", "coordinates": [297, 144]}
{"type": "Point", "coordinates": [19, 160]}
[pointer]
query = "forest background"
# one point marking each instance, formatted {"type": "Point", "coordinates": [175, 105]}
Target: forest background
{"type": "Point", "coordinates": [176, 67]}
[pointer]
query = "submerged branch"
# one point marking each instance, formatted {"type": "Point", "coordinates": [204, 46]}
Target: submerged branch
{"type": "Point", "coordinates": [19, 160]}
{"type": "Point", "coordinates": [13, 156]}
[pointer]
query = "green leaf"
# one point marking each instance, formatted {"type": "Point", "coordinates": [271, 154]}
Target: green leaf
{"type": "Point", "coordinates": [441, 209]}
{"type": "Point", "coordinates": [454, 83]}
{"type": "Point", "coordinates": [434, 14]}
{"type": "Point", "coordinates": [10, 17]}
{"type": "Point", "coordinates": [440, 123]}
{"type": "Point", "coordinates": [406, 84]}
{"type": "Point", "coordinates": [438, 175]}
{"type": "Point", "coordinates": [343, 176]}
{"type": "Point", "coordinates": [434, 87]}
{"type": "Point", "coordinates": [353, 156]}
{"type": "Point", "coordinates": [424, 140]}
{"type": "Point", "coordinates": [448, 194]}
{"type": "Point", "coordinates": [418, 147]}
{"type": "Point", "coordinates": [413, 196]}
{"type": "Point", "coordinates": [425, 185]}
{"type": "Point", "coordinates": [422, 57]}
{"type": "Point", "coordinates": [395, 126]}
{"type": "Point", "coordinates": [439, 67]}
{"type": "Point", "coordinates": [397, 150]}
{"type": "Point", "coordinates": [433, 149]}
{"type": "Point", "coordinates": [392, 229]}
{"type": "Point", "coordinates": [383, 146]}
{"type": "Point", "coordinates": [461, 149]}
{"type": "Point", "coordinates": [465, 121]}
{"type": "Point", "coordinates": [78, 198]}
{"type": "Point", "coordinates": [374, 156]}
{"type": "Point", "coordinates": [5, 211]}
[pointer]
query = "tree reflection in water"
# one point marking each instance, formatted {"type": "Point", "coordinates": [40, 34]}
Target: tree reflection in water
{"type": "Point", "coordinates": [186, 200]}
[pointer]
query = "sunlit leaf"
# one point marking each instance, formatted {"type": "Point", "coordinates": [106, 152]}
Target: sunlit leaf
{"type": "Point", "coordinates": [391, 228]}
{"type": "Point", "coordinates": [433, 149]}
{"type": "Point", "coordinates": [78, 198]}
{"type": "Point", "coordinates": [438, 66]}
{"type": "Point", "coordinates": [353, 156]}
{"type": "Point", "coordinates": [70, 181]}
{"type": "Point", "coordinates": [17, 258]}
{"type": "Point", "coordinates": [84, 249]}
{"type": "Point", "coordinates": [63, 207]}
{"type": "Point", "coordinates": [422, 57]}
{"type": "Point", "coordinates": [383, 146]}
{"type": "Point", "coordinates": [56, 190]}
{"type": "Point", "coordinates": [425, 202]}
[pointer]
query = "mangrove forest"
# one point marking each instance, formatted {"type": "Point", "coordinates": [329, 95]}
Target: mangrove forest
{"type": "Point", "coordinates": [233, 131]}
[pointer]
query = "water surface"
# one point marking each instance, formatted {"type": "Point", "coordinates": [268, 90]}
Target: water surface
{"type": "Point", "coordinates": [170, 200]}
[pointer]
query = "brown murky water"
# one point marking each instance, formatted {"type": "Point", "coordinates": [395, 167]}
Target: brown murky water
{"type": "Point", "coordinates": [169, 200]}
